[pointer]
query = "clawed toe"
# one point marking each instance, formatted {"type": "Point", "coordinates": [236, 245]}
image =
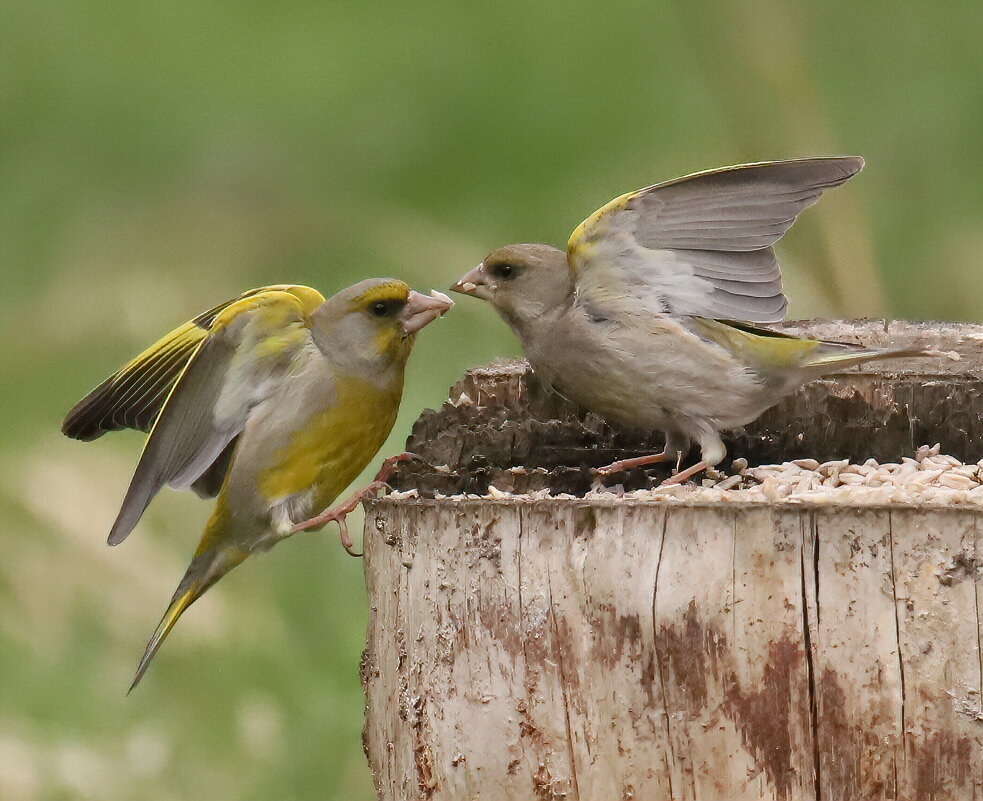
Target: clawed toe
{"type": "Point", "coordinates": [390, 465]}
{"type": "Point", "coordinates": [630, 464]}
{"type": "Point", "coordinates": [607, 470]}
{"type": "Point", "coordinates": [346, 540]}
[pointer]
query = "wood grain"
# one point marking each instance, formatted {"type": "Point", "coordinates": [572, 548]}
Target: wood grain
{"type": "Point", "coordinates": [626, 650]}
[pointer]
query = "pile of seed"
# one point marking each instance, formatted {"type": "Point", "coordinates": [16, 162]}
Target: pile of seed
{"type": "Point", "coordinates": [930, 477]}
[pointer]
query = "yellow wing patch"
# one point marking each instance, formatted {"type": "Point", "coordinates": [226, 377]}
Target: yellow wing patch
{"type": "Point", "coordinates": [277, 321]}
{"type": "Point", "coordinates": [584, 235]}
{"type": "Point", "coordinates": [274, 308]}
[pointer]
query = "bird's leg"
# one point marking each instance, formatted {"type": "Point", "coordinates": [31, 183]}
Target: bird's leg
{"type": "Point", "coordinates": [631, 464]}
{"type": "Point", "coordinates": [712, 452]}
{"type": "Point", "coordinates": [688, 473]}
{"type": "Point", "coordinates": [339, 513]}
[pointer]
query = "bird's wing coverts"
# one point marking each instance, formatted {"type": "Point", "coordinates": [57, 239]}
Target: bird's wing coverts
{"type": "Point", "coordinates": [250, 347]}
{"type": "Point", "coordinates": [702, 244]}
{"type": "Point", "coordinates": [132, 396]}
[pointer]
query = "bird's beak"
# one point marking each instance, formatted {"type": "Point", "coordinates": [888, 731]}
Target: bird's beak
{"type": "Point", "coordinates": [474, 283]}
{"type": "Point", "coordinates": [421, 310]}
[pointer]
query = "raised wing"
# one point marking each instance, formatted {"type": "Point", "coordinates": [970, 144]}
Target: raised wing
{"type": "Point", "coordinates": [702, 245]}
{"type": "Point", "coordinates": [133, 395]}
{"type": "Point", "coordinates": [249, 349]}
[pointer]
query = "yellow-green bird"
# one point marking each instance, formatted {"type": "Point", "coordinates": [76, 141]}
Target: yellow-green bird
{"type": "Point", "coordinates": [274, 401]}
{"type": "Point", "coordinates": [650, 318]}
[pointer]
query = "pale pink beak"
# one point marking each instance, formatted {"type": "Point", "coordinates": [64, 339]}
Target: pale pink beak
{"type": "Point", "coordinates": [421, 310]}
{"type": "Point", "coordinates": [474, 283]}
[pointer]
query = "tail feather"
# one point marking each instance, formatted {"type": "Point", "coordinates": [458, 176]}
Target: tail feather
{"type": "Point", "coordinates": [183, 598]}
{"type": "Point", "coordinates": [836, 354]}
{"type": "Point", "coordinates": [770, 351]}
{"type": "Point", "coordinates": [212, 561]}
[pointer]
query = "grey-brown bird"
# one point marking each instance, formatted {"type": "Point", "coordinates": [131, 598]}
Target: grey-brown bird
{"type": "Point", "coordinates": [651, 318]}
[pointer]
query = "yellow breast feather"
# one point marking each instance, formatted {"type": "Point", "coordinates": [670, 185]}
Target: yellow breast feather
{"type": "Point", "coordinates": [335, 444]}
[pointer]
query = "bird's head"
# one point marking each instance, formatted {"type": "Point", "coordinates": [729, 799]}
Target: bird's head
{"type": "Point", "coordinates": [376, 321]}
{"type": "Point", "coordinates": [520, 281]}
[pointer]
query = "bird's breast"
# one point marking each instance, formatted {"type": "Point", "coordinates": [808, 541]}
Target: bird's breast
{"type": "Point", "coordinates": [645, 374]}
{"type": "Point", "coordinates": [333, 445]}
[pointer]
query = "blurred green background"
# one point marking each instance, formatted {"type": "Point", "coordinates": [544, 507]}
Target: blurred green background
{"type": "Point", "coordinates": [156, 158]}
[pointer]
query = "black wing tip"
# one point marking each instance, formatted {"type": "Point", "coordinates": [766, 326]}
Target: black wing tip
{"type": "Point", "coordinates": [83, 430]}
{"type": "Point", "coordinates": [92, 417]}
{"type": "Point", "coordinates": [89, 419]}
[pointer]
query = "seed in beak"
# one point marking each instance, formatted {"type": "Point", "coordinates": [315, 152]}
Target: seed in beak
{"type": "Point", "coordinates": [442, 298]}
{"type": "Point", "coordinates": [421, 310]}
{"type": "Point", "coordinates": [475, 283]}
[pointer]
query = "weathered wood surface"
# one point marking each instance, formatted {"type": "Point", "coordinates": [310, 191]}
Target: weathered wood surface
{"type": "Point", "coordinates": [611, 649]}
{"type": "Point", "coordinates": [561, 649]}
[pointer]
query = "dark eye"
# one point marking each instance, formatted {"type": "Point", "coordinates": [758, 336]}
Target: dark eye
{"type": "Point", "coordinates": [381, 309]}
{"type": "Point", "coordinates": [504, 271]}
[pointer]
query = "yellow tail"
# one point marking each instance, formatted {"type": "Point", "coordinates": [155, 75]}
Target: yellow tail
{"type": "Point", "coordinates": [181, 601]}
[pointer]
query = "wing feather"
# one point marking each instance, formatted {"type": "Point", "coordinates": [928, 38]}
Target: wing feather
{"type": "Point", "coordinates": [125, 399]}
{"type": "Point", "coordinates": [132, 396]}
{"type": "Point", "coordinates": [249, 349]}
{"type": "Point", "coordinates": [702, 244]}
{"type": "Point", "coordinates": [209, 483]}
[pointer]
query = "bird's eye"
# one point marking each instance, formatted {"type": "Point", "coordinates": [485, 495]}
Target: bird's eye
{"type": "Point", "coordinates": [503, 271]}
{"type": "Point", "coordinates": [380, 308]}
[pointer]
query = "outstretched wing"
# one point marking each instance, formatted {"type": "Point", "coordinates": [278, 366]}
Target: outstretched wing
{"type": "Point", "coordinates": [250, 348]}
{"type": "Point", "coordinates": [133, 395]}
{"type": "Point", "coordinates": [702, 244]}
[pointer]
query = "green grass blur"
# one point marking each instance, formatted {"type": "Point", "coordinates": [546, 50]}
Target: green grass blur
{"type": "Point", "coordinates": [157, 158]}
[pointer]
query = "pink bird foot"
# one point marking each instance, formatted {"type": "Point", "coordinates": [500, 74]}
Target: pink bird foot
{"type": "Point", "coordinates": [631, 464]}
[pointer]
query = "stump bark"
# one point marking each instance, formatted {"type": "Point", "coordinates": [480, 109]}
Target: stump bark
{"type": "Point", "coordinates": [608, 648]}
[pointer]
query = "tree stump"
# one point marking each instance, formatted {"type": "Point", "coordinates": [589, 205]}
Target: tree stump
{"type": "Point", "coordinates": [531, 639]}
